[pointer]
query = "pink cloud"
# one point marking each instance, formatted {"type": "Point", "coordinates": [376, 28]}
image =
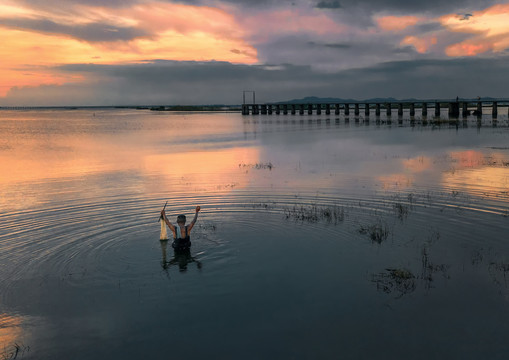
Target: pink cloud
{"type": "Point", "coordinates": [421, 44]}
{"type": "Point", "coordinates": [263, 25]}
{"type": "Point", "coordinates": [397, 23]}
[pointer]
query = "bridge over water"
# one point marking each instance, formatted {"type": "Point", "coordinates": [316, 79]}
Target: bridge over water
{"type": "Point", "coordinates": [455, 108]}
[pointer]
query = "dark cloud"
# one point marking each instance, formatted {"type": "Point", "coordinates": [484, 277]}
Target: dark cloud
{"type": "Point", "coordinates": [90, 32]}
{"type": "Point", "coordinates": [172, 82]}
{"type": "Point", "coordinates": [430, 6]}
{"type": "Point", "coordinates": [329, 45]}
{"type": "Point", "coordinates": [328, 4]}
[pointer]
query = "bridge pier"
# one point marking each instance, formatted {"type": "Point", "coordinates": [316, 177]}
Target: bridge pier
{"type": "Point", "coordinates": [437, 108]}
{"type": "Point", "coordinates": [377, 109]}
{"type": "Point", "coordinates": [388, 109]}
{"type": "Point", "coordinates": [301, 109]}
{"type": "Point", "coordinates": [424, 109]}
{"type": "Point", "coordinates": [327, 109]}
{"type": "Point", "coordinates": [336, 109]}
{"type": "Point", "coordinates": [347, 109]}
{"type": "Point", "coordinates": [479, 109]}
{"type": "Point", "coordinates": [278, 109]}
{"type": "Point", "coordinates": [310, 109]}
{"type": "Point", "coordinates": [454, 109]}
{"type": "Point", "coordinates": [400, 109]}
{"type": "Point", "coordinates": [318, 109]}
{"type": "Point", "coordinates": [412, 109]}
{"type": "Point", "coordinates": [285, 109]}
{"type": "Point", "coordinates": [356, 111]}
{"type": "Point", "coordinates": [464, 109]}
{"type": "Point", "coordinates": [494, 109]}
{"type": "Point", "coordinates": [366, 109]}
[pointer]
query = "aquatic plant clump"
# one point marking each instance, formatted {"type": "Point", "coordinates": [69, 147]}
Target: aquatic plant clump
{"type": "Point", "coordinates": [314, 213]}
{"type": "Point", "coordinates": [258, 166]}
{"type": "Point", "coordinates": [377, 232]}
{"type": "Point", "coordinates": [397, 280]}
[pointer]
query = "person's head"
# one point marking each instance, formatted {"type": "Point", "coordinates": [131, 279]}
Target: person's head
{"type": "Point", "coordinates": [181, 219]}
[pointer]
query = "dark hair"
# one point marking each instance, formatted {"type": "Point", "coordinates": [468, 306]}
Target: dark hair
{"type": "Point", "coordinates": [181, 219]}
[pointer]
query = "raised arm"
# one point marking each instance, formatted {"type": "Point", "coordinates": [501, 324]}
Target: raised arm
{"type": "Point", "coordinates": [170, 225]}
{"type": "Point", "coordinates": [191, 224]}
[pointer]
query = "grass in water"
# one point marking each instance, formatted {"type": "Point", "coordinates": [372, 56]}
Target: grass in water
{"type": "Point", "coordinates": [377, 232]}
{"type": "Point", "coordinates": [314, 213]}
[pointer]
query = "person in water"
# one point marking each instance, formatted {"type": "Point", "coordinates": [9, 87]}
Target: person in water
{"type": "Point", "coordinates": [181, 238]}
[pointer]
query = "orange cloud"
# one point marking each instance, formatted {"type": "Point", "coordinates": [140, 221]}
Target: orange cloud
{"type": "Point", "coordinates": [489, 27]}
{"type": "Point", "coordinates": [175, 32]}
{"type": "Point", "coordinates": [422, 44]}
{"type": "Point", "coordinates": [397, 23]}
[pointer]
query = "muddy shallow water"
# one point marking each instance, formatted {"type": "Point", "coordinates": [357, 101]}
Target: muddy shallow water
{"type": "Point", "coordinates": [319, 237]}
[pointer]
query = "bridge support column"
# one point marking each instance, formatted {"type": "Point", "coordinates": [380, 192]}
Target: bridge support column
{"type": "Point", "coordinates": [336, 109]}
{"type": "Point", "coordinates": [327, 109]}
{"type": "Point", "coordinates": [424, 109]}
{"type": "Point", "coordinates": [347, 109]}
{"type": "Point", "coordinates": [278, 109]}
{"type": "Point", "coordinates": [412, 109]}
{"type": "Point", "coordinates": [388, 109]}
{"type": "Point", "coordinates": [310, 109]}
{"type": "Point", "coordinates": [366, 109]}
{"type": "Point", "coordinates": [356, 111]}
{"type": "Point", "coordinates": [437, 108]}
{"type": "Point", "coordinates": [301, 109]}
{"type": "Point", "coordinates": [400, 109]}
{"type": "Point", "coordinates": [494, 109]}
{"type": "Point", "coordinates": [285, 109]}
{"type": "Point", "coordinates": [377, 109]}
{"type": "Point", "coordinates": [464, 109]}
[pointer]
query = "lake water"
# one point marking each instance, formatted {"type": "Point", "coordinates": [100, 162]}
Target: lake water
{"type": "Point", "coordinates": [320, 237]}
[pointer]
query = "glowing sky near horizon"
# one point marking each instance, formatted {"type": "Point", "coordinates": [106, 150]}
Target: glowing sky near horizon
{"type": "Point", "coordinates": [39, 42]}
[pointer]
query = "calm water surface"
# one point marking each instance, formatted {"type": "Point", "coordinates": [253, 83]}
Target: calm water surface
{"type": "Point", "coordinates": [319, 237]}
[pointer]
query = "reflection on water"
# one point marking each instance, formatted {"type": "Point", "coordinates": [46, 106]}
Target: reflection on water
{"type": "Point", "coordinates": [181, 258]}
{"type": "Point", "coordinates": [303, 219]}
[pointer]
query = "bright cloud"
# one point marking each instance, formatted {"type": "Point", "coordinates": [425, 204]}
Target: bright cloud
{"type": "Point", "coordinates": [489, 28]}
{"type": "Point", "coordinates": [33, 40]}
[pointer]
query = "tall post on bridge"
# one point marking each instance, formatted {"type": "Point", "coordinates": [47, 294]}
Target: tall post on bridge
{"type": "Point", "coordinates": [285, 109]}
{"type": "Point", "coordinates": [347, 109]}
{"type": "Point", "coordinates": [437, 108]}
{"type": "Point", "coordinates": [310, 109]}
{"type": "Point", "coordinates": [336, 109]}
{"type": "Point", "coordinates": [424, 109]}
{"type": "Point", "coordinates": [479, 109]}
{"type": "Point", "coordinates": [400, 109]}
{"type": "Point", "coordinates": [356, 109]}
{"type": "Point", "coordinates": [464, 109]}
{"type": "Point", "coordinates": [412, 109]}
{"type": "Point", "coordinates": [494, 109]}
{"type": "Point", "coordinates": [377, 109]}
{"type": "Point", "coordinates": [388, 109]}
{"type": "Point", "coordinates": [366, 109]}
{"type": "Point", "coordinates": [301, 109]}
{"type": "Point", "coordinates": [327, 109]}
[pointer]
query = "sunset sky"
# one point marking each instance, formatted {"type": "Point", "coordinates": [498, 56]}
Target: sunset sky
{"type": "Point", "coordinates": [121, 52]}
